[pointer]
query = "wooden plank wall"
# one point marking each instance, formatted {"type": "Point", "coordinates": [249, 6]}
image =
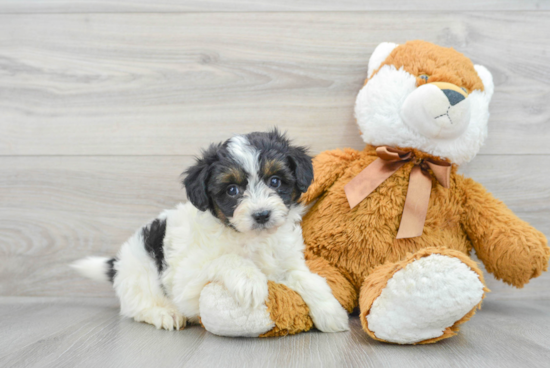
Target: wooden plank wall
{"type": "Point", "coordinates": [103, 103]}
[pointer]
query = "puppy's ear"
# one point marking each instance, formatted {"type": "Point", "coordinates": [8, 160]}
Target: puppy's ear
{"type": "Point", "coordinates": [300, 163]}
{"type": "Point", "coordinates": [197, 177]}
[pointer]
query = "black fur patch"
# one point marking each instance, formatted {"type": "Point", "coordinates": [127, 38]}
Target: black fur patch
{"type": "Point", "coordinates": [295, 166]}
{"type": "Point", "coordinates": [111, 272]}
{"type": "Point", "coordinates": [153, 237]}
{"type": "Point", "coordinates": [198, 175]}
{"type": "Point", "coordinates": [223, 205]}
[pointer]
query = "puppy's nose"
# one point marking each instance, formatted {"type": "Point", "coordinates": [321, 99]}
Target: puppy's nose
{"type": "Point", "coordinates": [453, 96]}
{"type": "Point", "coordinates": [261, 217]}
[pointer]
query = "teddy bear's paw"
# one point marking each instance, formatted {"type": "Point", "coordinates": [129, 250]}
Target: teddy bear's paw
{"type": "Point", "coordinates": [423, 299]}
{"type": "Point", "coordinates": [162, 317]}
{"type": "Point", "coordinates": [222, 315]}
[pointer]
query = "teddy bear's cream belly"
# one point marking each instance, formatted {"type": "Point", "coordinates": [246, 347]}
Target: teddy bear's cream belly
{"type": "Point", "coordinates": [358, 240]}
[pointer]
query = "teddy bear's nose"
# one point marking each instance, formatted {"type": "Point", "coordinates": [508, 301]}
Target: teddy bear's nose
{"type": "Point", "coordinates": [453, 96]}
{"type": "Point", "coordinates": [454, 93]}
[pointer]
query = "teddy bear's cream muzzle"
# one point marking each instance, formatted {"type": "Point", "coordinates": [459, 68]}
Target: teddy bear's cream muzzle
{"type": "Point", "coordinates": [437, 110]}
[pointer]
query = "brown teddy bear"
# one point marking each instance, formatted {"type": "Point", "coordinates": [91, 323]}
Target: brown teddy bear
{"type": "Point", "coordinates": [391, 227]}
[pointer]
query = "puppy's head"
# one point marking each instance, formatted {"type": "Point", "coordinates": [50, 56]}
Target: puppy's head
{"type": "Point", "coordinates": [251, 181]}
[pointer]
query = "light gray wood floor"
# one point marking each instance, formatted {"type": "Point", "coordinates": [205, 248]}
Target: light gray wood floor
{"type": "Point", "coordinates": [82, 332]}
{"type": "Point", "coordinates": [104, 102]}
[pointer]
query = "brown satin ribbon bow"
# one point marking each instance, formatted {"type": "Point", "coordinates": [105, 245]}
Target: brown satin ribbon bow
{"type": "Point", "coordinates": [420, 185]}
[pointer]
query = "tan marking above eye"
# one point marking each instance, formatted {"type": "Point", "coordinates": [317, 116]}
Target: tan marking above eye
{"type": "Point", "coordinates": [271, 167]}
{"type": "Point", "coordinates": [232, 176]}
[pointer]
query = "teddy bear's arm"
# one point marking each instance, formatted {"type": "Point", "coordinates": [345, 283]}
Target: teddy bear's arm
{"type": "Point", "coordinates": [509, 247]}
{"type": "Point", "coordinates": [327, 167]}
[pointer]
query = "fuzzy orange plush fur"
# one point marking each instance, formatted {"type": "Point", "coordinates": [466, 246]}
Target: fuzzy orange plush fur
{"type": "Point", "coordinates": [462, 217]}
{"type": "Point", "coordinates": [356, 250]}
{"type": "Point", "coordinates": [439, 63]}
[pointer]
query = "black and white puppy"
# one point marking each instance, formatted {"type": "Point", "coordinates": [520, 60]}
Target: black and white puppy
{"type": "Point", "coordinates": [240, 228]}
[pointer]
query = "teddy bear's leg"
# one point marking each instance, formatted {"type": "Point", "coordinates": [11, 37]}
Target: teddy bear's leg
{"type": "Point", "coordinates": [284, 313]}
{"type": "Point", "coordinates": [421, 299]}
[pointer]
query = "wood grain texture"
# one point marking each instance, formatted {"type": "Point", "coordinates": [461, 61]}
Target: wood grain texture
{"type": "Point", "coordinates": [118, 6]}
{"type": "Point", "coordinates": [157, 84]}
{"type": "Point", "coordinates": [58, 209]}
{"type": "Point", "coordinates": [45, 332]}
{"type": "Point", "coordinates": [99, 114]}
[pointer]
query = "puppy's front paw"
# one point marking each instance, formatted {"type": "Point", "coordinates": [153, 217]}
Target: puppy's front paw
{"type": "Point", "coordinates": [330, 317]}
{"type": "Point", "coordinates": [160, 317]}
{"type": "Point", "coordinates": [249, 292]}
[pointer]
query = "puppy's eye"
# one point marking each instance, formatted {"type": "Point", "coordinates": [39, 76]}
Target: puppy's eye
{"type": "Point", "coordinates": [424, 77]}
{"type": "Point", "coordinates": [232, 190]}
{"type": "Point", "coordinates": [274, 182]}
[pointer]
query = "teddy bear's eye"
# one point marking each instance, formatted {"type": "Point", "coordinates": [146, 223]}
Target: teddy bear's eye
{"type": "Point", "coordinates": [424, 77]}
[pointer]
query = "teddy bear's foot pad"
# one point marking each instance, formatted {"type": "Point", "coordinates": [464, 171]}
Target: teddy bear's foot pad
{"type": "Point", "coordinates": [222, 315]}
{"type": "Point", "coordinates": [423, 299]}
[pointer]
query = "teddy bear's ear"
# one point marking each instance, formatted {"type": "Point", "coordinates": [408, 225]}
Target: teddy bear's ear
{"type": "Point", "coordinates": [381, 53]}
{"type": "Point", "coordinates": [487, 79]}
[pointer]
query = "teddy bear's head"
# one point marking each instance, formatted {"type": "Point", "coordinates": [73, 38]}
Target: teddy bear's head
{"type": "Point", "coordinates": [423, 96]}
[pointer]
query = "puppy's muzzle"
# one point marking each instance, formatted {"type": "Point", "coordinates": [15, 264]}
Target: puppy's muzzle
{"type": "Point", "coordinates": [261, 217]}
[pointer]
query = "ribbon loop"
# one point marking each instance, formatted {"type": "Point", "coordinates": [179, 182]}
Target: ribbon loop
{"type": "Point", "coordinates": [418, 193]}
{"type": "Point", "coordinates": [392, 154]}
{"type": "Point", "coordinates": [441, 170]}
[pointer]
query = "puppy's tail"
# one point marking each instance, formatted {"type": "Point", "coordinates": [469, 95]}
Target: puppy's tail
{"type": "Point", "coordinates": [96, 268]}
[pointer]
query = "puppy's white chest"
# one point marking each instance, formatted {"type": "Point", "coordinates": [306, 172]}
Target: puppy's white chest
{"type": "Point", "coordinates": [264, 256]}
